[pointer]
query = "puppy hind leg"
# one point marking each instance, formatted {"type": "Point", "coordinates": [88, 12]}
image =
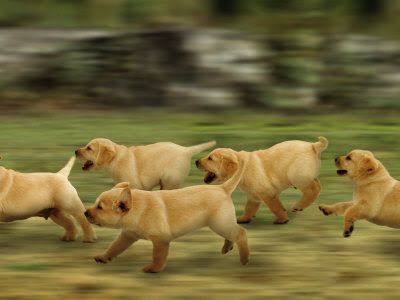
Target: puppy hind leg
{"type": "Point", "coordinates": [65, 221]}
{"type": "Point", "coordinates": [250, 210]}
{"type": "Point", "coordinates": [243, 245]}
{"type": "Point", "coordinates": [310, 194]}
{"type": "Point", "coordinates": [176, 176]}
{"type": "Point", "coordinates": [89, 236]}
{"type": "Point", "coordinates": [75, 207]}
{"type": "Point", "coordinates": [233, 234]}
{"type": "Point", "coordinates": [160, 254]}
{"type": "Point", "coordinates": [277, 208]}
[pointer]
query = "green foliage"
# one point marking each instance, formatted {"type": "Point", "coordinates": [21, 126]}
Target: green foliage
{"type": "Point", "coordinates": [257, 15]}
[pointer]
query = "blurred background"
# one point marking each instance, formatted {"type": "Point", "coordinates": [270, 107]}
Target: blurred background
{"type": "Point", "coordinates": [246, 73]}
{"type": "Point", "coordinates": [211, 53]}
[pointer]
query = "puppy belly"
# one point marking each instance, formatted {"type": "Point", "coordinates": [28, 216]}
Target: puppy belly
{"type": "Point", "coordinates": [14, 215]}
{"type": "Point", "coordinates": [7, 217]}
{"type": "Point", "coordinates": [392, 220]}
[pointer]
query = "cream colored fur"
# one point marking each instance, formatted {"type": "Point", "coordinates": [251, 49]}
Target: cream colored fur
{"type": "Point", "coordinates": [144, 167]}
{"type": "Point", "coordinates": [48, 195]}
{"type": "Point", "coordinates": [268, 173]}
{"type": "Point", "coordinates": [376, 195]}
{"type": "Point", "coordinates": [162, 216]}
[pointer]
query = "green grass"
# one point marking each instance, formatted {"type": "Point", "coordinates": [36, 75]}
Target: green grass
{"type": "Point", "coordinates": [304, 259]}
{"type": "Point", "coordinates": [29, 267]}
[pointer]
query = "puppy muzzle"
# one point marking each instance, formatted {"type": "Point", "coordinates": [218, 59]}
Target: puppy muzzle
{"type": "Point", "coordinates": [337, 162]}
{"type": "Point", "coordinates": [341, 171]}
{"type": "Point", "coordinates": [89, 217]}
{"type": "Point", "coordinates": [200, 166]}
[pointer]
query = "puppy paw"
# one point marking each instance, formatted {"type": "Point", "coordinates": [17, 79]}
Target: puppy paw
{"type": "Point", "coordinates": [243, 220]}
{"type": "Point", "coordinates": [326, 211]}
{"type": "Point", "coordinates": [347, 233]}
{"type": "Point", "coordinates": [152, 269]}
{"type": "Point", "coordinates": [296, 209]}
{"type": "Point", "coordinates": [102, 259]}
{"type": "Point", "coordinates": [244, 260]}
{"type": "Point", "coordinates": [228, 246]}
{"type": "Point", "coordinates": [89, 239]}
{"type": "Point", "coordinates": [68, 238]}
{"type": "Point", "coordinates": [281, 220]}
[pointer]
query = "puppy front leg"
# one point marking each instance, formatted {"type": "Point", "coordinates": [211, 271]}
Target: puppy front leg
{"type": "Point", "coordinates": [160, 253]}
{"type": "Point", "coordinates": [337, 209]}
{"type": "Point", "coordinates": [352, 214]}
{"type": "Point", "coordinates": [63, 219]}
{"type": "Point", "coordinates": [123, 241]}
{"type": "Point", "coordinates": [250, 210]}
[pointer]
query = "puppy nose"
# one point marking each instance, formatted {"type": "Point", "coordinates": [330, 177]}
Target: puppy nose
{"type": "Point", "coordinates": [336, 159]}
{"type": "Point", "coordinates": [86, 213]}
{"type": "Point", "coordinates": [197, 163]}
{"type": "Point", "coordinates": [76, 152]}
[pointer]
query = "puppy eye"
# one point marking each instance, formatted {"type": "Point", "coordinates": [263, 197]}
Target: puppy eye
{"type": "Point", "coordinates": [348, 157]}
{"type": "Point", "coordinates": [88, 148]}
{"type": "Point", "coordinates": [99, 207]}
{"type": "Point", "coordinates": [209, 158]}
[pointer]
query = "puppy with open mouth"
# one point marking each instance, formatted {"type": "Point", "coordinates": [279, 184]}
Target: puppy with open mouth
{"type": "Point", "coordinates": [268, 173]}
{"type": "Point", "coordinates": [164, 215]}
{"type": "Point", "coordinates": [145, 167]}
{"type": "Point", "coordinates": [376, 195]}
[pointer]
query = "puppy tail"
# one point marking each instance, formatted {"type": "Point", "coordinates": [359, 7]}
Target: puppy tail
{"type": "Point", "coordinates": [321, 145]}
{"type": "Point", "coordinates": [67, 169]}
{"type": "Point", "coordinates": [232, 183]}
{"type": "Point", "coordinates": [193, 150]}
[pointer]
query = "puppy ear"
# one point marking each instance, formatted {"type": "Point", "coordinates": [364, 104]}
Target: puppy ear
{"type": "Point", "coordinates": [124, 202]}
{"type": "Point", "coordinates": [369, 165]}
{"type": "Point", "coordinates": [229, 167]}
{"type": "Point", "coordinates": [121, 185]}
{"type": "Point", "coordinates": [105, 154]}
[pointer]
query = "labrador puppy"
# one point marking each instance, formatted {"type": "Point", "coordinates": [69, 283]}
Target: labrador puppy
{"type": "Point", "coordinates": [268, 173]}
{"type": "Point", "coordinates": [144, 167]}
{"type": "Point", "coordinates": [47, 195]}
{"type": "Point", "coordinates": [376, 195]}
{"type": "Point", "coordinates": [162, 216]}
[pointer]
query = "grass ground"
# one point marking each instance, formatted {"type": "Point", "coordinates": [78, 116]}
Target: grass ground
{"type": "Point", "coordinates": [304, 259]}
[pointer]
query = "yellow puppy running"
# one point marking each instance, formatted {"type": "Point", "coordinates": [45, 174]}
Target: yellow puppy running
{"type": "Point", "coordinates": [162, 216]}
{"type": "Point", "coordinates": [376, 195]}
{"type": "Point", "coordinates": [268, 173]}
{"type": "Point", "coordinates": [47, 195]}
{"type": "Point", "coordinates": [144, 167]}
